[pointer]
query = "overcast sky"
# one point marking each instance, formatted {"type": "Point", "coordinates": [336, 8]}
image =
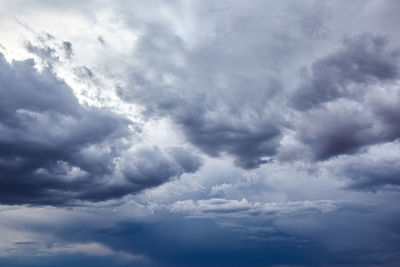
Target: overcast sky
{"type": "Point", "coordinates": [194, 133]}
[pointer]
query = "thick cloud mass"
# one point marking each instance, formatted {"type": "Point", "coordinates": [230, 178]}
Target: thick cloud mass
{"type": "Point", "coordinates": [363, 60]}
{"type": "Point", "coordinates": [372, 171]}
{"type": "Point", "coordinates": [348, 101]}
{"type": "Point", "coordinates": [220, 95]}
{"type": "Point", "coordinates": [291, 110]}
{"type": "Point", "coordinates": [372, 177]}
{"type": "Point", "coordinates": [228, 94]}
{"type": "Point", "coordinates": [53, 150]}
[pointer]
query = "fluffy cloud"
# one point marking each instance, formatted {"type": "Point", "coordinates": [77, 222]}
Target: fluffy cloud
{"type": "Point", "coordinates": [364, 60]}
{"type": "Point", "coordinates": [55, 150]}
{"type": "Point", "coordinates": [348, 102]}
{"type": "Point", "coordinates": [222, 91]}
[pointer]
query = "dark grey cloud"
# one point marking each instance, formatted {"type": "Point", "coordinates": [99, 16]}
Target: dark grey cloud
{"type": "Point", "coordinates": [370, 174]}
{"type": "Point", "coordinates": [46, 53]}
{"type": "Point", "coordinates": [363, 60]}
{"type": "Point", "coordinates": [223, 98]}
{"type": "Point", "coordinates": [54, 150]}
{"type": "Point", "coordinates": [347, 128]}
{"type": "Point", "coordinates": [227, 108]}
{"type": "Point", "coordinates": [347, 104]}
{"type": "Point", "coordinates": [335, 131]}
{"type": "Point", "coordinates": [225, 74]}
{"type": "Point", "coordinates": [101, 40]}
{"type": "Point", "coordinates": [67, 46]}
{"type": "Point", "coordinates": [231, 99]}
{"type": "Point", "coordinates": [249, 145]}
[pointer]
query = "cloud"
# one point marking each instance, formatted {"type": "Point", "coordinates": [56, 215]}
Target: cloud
{"type": "Point", "coordinates": [374, 171]}
{"type": "Point", "coordinates": [67, 46]}
{"type": "Point", "coordinates": [242, 208]}
{"type": "Point", "coordinates": [223, 97]}
{"type": "Point", "coordinates": [348, 102]}
{"type": "Point", "coordinates": [180, 241]}
{"type": "Point", "coordinates": [373, 176]}
{"type": "Point", "coordinates": [236, 102]}
{"type": "Point", "coordinates": [291, 107]}
{"type": "Point", "coordinates": [341, 128]}
{"type": "Point", "coordinates": [289, 229]}
{"type": "Point", "coordinates": [363, 60]}
{"type": "Point", "coordinates": [55, 150]}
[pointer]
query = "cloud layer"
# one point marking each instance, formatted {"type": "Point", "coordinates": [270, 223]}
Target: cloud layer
{"type": "Point", "coordinates": [192, 133]}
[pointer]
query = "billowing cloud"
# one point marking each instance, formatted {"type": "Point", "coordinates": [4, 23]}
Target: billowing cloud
{"type": "Point", "coordinates": [191, 133]}
{"type": "Point", "coordinates": [348, 102]}
{"type": "Point", "coordinates": [364, 60]}
{"type": "Point", "coordinates": [55, 150]}
{"type": "Point", "coordinates": [220, 91]}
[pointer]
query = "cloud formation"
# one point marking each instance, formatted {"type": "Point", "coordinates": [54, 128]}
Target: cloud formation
{"type": "Point", "coordinates": [140, 129]}
{"type": "Point", "coordinates": [55, 150]}
{"type": "Point", "coordinates": [346, 103]}
{"type": "Point", "coordinates": [242, 208]}
{"type": "Point", "coordinates": [362, 61]}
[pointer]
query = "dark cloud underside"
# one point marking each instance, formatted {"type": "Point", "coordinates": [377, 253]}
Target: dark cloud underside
{"type": "Point", "coordinates": [53, 150]}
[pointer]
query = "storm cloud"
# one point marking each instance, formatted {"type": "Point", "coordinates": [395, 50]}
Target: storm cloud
{"type": "Point", "coordinates": [193, 133]}
{"type": "Point", "coordinates": [55, 150]}
{"type": "Point", "coordinates": [345, 104]}
{"type": "Point", "coordinates": [363, 61]}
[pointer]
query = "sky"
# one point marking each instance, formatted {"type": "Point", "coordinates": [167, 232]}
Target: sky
{"type": "Point", "coordinates": [199, 133]}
